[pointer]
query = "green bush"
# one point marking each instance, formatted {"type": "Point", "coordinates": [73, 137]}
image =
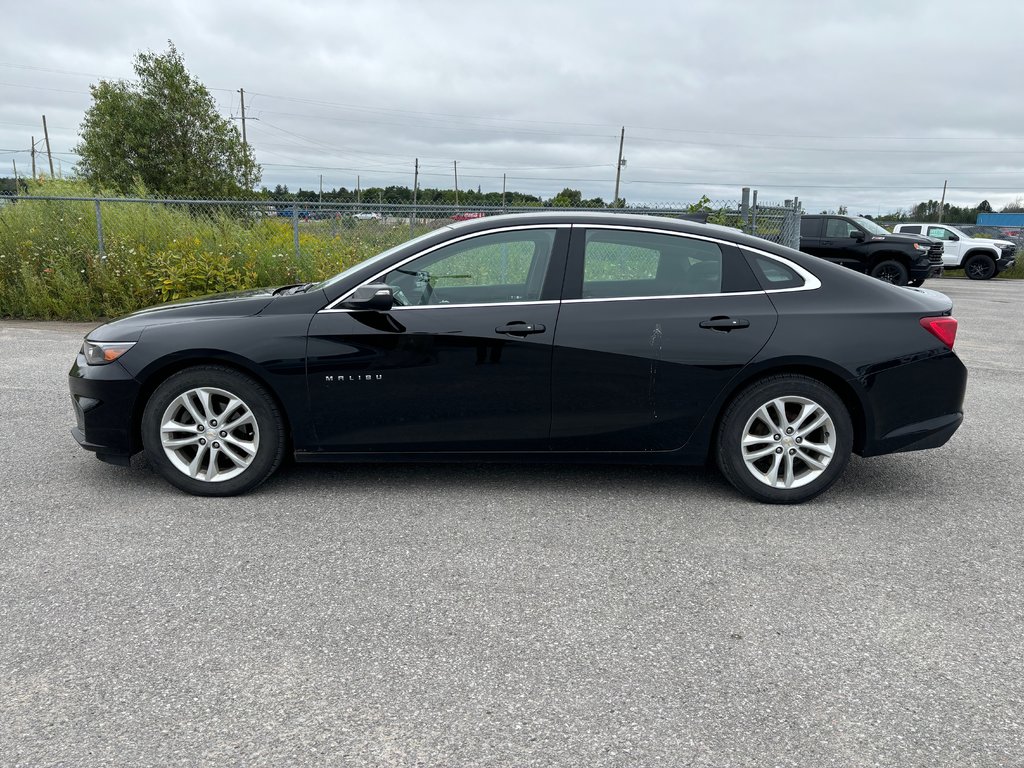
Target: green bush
{"type": "Point", "coordinates": [51, 267]}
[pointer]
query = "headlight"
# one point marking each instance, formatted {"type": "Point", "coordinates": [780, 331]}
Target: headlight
{"type": "Point", "coordinates": [921, 246]}
{"type": "Point", "coordinates": [103, 352]}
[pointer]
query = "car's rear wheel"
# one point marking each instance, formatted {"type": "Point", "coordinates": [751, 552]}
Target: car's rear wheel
{"type": "Point", "coordinates": [980, 267]}
{"type": "Point", "coordinates": [891, 271]}
{"type": "Point", "coordinates": [785, 439]}
{"type": "Point", "coordinates": [213, 431]}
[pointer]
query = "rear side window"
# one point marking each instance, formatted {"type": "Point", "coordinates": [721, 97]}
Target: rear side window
{"type": "Point", "coordinates": [774, 275]}
{"type": "Point", "coordinates": [810, 227]}
{"type": "Point", "coordinates": [622, 264]}
{"type": "Point", "coordinates": [912, 229]}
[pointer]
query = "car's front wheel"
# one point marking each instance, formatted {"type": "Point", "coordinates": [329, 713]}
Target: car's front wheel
{"type": "Point", "coordinates": [980, 267]}
{"type": "Point", "coordinates": [213, 431]}
{"type": "Point", "coordinates": [891, 271]}
{"type": "Point", "coordinates": [784, 439]}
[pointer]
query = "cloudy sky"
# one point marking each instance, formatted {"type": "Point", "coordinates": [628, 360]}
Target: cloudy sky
{"type": "Point", "coordinates": [871, 104]}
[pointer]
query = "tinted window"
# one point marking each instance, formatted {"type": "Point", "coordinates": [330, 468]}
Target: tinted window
{"type": "Point", "coordinates": [839, 228]}
{"type": "Point", "coordinates": [810, 227]}
{"type": "Point", "coordinates": [618, 264]}
{"type": "Point", "coordinates": [912, 229]}
{"type": "Point", "coordinates": [500, 267]}
{"type": "Point", "coordinates": [773, 274]}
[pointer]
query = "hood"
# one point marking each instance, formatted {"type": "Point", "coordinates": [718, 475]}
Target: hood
{"type": "Point", "coordinates": [234, 304]}
{"type": "Point", "coordinates": [901, 237]}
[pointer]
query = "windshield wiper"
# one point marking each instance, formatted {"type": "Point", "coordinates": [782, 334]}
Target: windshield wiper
{"type": "Point", "coordinates": [292, 289]}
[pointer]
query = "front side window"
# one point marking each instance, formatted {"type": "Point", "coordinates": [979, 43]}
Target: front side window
{"type": "Point", "coordinates": [622, 264]}
{"type": "Point", "coordinates": [494, 268]}
{"type": "Point", "coordinates": [839, 228]}
{"type": "Point", "coordinates": [940, 232]}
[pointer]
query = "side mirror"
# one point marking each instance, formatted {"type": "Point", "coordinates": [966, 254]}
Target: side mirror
{"type": "Point", "coordinates": [857, 235]}
{"type": "Point", "coordinates": [374, 296]}
{"type": "Point", "coordinates": [953, 237]}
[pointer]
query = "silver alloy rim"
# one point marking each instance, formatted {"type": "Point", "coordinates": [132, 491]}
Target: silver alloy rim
{"type": "Point", "coordinates": [209, 434]}
{"type": "Point", "coordinates": [788, 442]}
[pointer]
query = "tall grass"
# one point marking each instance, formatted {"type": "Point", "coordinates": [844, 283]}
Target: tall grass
{"type": "Point", "coordinates": [51, 267]}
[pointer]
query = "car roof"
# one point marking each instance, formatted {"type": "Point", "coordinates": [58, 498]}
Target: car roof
{"type": "Point", "coordinates": [639, 220]}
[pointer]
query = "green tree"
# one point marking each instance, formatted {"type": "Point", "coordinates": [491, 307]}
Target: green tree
{"type": "Point", "coordinates": [568, 198]}
{"type": "Point", "coordinates": [984, 207]}
{"type": "Point", "coordinates": [163, 132]}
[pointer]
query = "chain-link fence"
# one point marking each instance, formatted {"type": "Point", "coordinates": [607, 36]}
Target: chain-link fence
{"type": "Point", "coordinates": [63, 256]}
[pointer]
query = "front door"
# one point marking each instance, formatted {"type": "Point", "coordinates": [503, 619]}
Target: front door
{"type": "Point", "coordinates": [462, 363]}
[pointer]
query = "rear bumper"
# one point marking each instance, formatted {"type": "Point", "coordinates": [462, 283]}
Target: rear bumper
{"type": "Point", "coordinates": [913, 406]}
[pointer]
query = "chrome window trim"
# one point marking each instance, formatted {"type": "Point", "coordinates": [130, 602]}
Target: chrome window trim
{"type": "Point", "coordinates": [399, 308]}
{"type": "Point", "coordinates": [811, 282]}
{"type": "Point", "coordinates": [469, 236]}
{"type": "Point", "coordinates": [667, 296]}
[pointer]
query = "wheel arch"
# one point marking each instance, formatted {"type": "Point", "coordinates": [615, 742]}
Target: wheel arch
{"type": "Point", "coordinates": [881, 256]}
{"type": "Point", "coordinates": [161, 370]}
{"type": "Point", "coordinates": [813, 369]}
{"type": "Point", "coordinates": [979, 250]}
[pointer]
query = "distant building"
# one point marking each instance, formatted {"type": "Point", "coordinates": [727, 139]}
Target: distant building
{"type": "Point", "coordinates": [1001, 219]}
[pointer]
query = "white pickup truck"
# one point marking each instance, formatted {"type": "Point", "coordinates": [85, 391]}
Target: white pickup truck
{"type": "Point", "coordinates": [980, 258]}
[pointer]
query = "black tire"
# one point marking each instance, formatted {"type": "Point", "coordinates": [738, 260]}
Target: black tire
{"type": "Point", "coordinates": [980, 267]}
{"type": "Point", "coordinates": [751, 475]}
{"type": "Point", "coordinates": [237, 459]}
{"type": "Point", "coordinates": [891, 271]}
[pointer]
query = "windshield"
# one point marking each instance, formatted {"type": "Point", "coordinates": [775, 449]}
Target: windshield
{"type": "Point", "coordinates": [870, 226]}
{"type": "Point", "coordinates": [373, 259]}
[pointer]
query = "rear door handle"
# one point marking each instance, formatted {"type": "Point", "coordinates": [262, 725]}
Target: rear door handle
{"type": "Point", "coordinates": [725, 323]}
{"type": "Point", "coordinates": [520, 329]}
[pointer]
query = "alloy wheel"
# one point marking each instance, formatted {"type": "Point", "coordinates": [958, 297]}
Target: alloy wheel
{"type": "Point", "coordinates": [788, 442]}
{"type": "Point", "coordinates": [209, 434]}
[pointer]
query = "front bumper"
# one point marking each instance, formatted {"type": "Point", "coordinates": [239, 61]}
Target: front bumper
{"type": "Point", "coordinates": [103, 398]}
{"type": "Point", "coordinates": [1005, 263]}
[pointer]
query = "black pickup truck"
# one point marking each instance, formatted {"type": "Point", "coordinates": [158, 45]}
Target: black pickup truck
{"type": "Point", "coordinates": [862, 245]}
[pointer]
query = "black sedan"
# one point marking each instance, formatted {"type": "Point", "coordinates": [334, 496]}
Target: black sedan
{"type": "Point", "coordinates": [569, 337]}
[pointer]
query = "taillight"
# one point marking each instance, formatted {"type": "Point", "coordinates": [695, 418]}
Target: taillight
{"type": "Point", "coordinates": [942, 328]}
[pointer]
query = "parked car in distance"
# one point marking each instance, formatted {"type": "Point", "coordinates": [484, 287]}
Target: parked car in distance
{"type": "Point", "coordinates": [981, 258]}
{"type": "Point", "coordinates": [864, 246]}
{"type": "Point", "coordinates": [558, 336]}
{"type": "Point", "coordinates": [468, 216]}
{"type": "Point", "coordinates": [366, 216]}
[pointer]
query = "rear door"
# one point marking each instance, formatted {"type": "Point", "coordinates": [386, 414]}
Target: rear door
{"type": "Point", "coordinates": [653, 325]}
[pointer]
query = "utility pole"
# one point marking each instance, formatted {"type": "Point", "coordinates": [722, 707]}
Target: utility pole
{"type": "Point", "coordinates": [455, 165]}
{"type": "Point", "coordinates": [241, 95]}
{"type": "Point", "coordinates": [618, 167]}
{"type": "Point", "coordinates": [33, 157]}
{"type": "Point", "coordinates": [503, 190]}
{"type": "Point", "coordinates": [942, 203]}
{"type": "Point", "coordinates": [415, 183]}
{"type": "Point", "coordinates": [321, 199]}
{"type": "Point", "coordinates": [359, 192]}
{"type": "Point", "coordinates": [15, 164]}
{"type": "Point", "coordinates": [49, 154]}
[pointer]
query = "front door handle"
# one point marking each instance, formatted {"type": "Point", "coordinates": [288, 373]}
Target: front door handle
{"type": "Point", "coordinates": [725, 323]}
{"type": "Point", "coordinates": [520, 329]}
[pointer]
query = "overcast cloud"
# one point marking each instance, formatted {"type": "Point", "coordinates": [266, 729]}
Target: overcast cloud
{"type": "Point", "coordinates": [868, 104]}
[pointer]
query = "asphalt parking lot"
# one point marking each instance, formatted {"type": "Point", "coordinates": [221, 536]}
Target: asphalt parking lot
{"type": "Point", "coordinates": [405, 615]}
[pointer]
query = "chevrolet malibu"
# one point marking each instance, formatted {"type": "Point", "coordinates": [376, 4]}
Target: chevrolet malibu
{"type": "Point", "coordinates": [535, 337]}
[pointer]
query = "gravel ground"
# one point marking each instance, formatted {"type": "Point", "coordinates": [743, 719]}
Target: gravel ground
{"type": "Point", "coordinates": [472, 615]}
